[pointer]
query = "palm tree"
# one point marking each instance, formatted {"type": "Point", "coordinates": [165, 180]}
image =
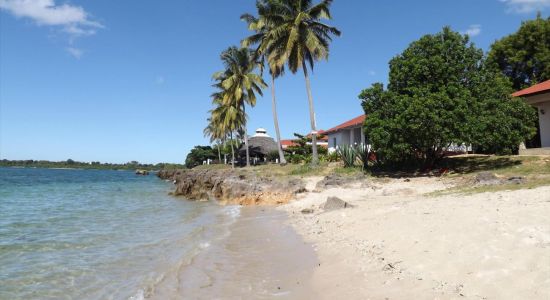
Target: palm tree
{"type": "Point", "coordinates": [298, 38]}
{"type": "Point", "coordinates": [216, 135]}
{"type": "Point", "coordinates": [227, 119]}
{"type": "Point", "coordinates": [264, 53]}
{"type": "Point", "coordinates": [239, 83]}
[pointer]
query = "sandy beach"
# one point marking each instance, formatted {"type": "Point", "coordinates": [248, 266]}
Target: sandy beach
{"type": "Point", "coordinates": [397, 242]}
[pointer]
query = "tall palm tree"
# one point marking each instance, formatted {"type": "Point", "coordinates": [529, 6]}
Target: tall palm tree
{"type": "Point", "coordinates": [227, 120]}
{"type": "Point", "coordinates": [216, 135]}
{"type": "Point", "coordinates": [262, 38]}
{"type": "Point", "coordinates": [240, 83]}
{"type": "Point", "coordinates": [299, 38]}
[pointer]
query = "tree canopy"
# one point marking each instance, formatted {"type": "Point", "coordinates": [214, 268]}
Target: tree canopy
{"type": "Point", "coordinates": [442, 93]}
{"type": "Point", "coordinates": [199, 154]}
{"type": "Point", "coordinates": [524, 56]}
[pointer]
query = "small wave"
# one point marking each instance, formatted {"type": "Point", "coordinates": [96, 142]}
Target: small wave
{"type": "Point", "coordinates": [233, 211]}
{"type": "Point", "coordinates": [140, 295]}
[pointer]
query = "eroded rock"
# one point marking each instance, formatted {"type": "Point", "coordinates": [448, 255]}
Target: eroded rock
{"type": "Point", "coordinates": [333, 203]}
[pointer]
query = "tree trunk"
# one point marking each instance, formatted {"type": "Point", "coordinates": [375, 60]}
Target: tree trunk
{"type": "Point", "coordinates": [246, 140]}
{"type": "Point", "coordinates": [232, 152]}
{"type": "Point", "coordinates": [219, 153]}
{"type": "Point", "coordinates": [315, 156]}
{"type": "Point", "coordinates": [282, 159]}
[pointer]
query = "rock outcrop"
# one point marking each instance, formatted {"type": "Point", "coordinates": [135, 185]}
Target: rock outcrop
{"type": "Point", "coordinates": [233, 187]}
{"type": "Point", "coordinates": [334, 203]}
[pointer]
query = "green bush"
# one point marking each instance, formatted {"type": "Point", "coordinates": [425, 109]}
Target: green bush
{"type": "Point", "coordinates": [272, 156]}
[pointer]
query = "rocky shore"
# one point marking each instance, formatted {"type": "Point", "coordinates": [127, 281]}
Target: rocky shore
{"type": "Point", "coordinates": [233, 187]}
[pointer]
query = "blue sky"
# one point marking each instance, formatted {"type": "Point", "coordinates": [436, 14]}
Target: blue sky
{"type": "Point", "coordinates": [130, 80]}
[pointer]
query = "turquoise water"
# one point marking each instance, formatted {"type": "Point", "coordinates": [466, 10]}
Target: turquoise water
{"type": "Point", "coordinates": [91, 234]}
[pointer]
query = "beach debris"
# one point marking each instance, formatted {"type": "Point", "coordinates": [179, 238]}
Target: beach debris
{"type": "Point", "coordinates": [334, 203]}
{"type": "Point", "coordinates": [486, 178]}
{"type": "Point", "coordinates": [307, 210]}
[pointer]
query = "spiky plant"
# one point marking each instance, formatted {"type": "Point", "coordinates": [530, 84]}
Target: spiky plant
{"type": "Point", "coordinates": [348, 155]}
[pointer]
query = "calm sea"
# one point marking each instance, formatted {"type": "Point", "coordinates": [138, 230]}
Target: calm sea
{"type": "Point", "coordinates": [91, 234]}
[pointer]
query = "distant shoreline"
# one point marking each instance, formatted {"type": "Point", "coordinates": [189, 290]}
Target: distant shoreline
{"type": "Point", "coordinates": [94, 165]}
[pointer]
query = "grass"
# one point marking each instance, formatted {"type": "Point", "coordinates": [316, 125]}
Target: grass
{"type": "Point", "coordinates": [534, 169]}
{"type": "Point", "coordinates": [461, 170]}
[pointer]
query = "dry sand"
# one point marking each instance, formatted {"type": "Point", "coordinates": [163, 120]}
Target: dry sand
{"type": "Point", "coordinates": [397, 243]}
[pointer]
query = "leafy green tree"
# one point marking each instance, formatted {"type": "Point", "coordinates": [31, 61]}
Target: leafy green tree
{"type": "Point", "coordinates": [524, 56]}
{"type": "Point", "coordinates": [199, 154]}
{"type": "Point", "coordinates": [298, 38]}
{"type": "Point", "coordinates": [441, 93]}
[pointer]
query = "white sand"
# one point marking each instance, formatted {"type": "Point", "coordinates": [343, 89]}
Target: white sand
{"type": "Point", "coordinates": [397, 243]}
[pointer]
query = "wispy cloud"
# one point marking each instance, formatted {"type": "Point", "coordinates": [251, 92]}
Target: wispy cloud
{"type": "Point", "coordinates": [473, 30]}
{"type": "Point", "coordinates": [372, 73]}
{"type": "Point", "coordinates": [75, 52]}
{"type": "Point", "coordinates": [526, 6]}
{"type": "Point", "coordinates": [70, 19]}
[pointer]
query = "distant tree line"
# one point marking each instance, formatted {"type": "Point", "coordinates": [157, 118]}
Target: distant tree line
{"type": "Point", "coordinates": [70, 163]}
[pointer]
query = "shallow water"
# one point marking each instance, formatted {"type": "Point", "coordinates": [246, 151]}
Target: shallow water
{"type": "Point", "coordinates": [94, 234]}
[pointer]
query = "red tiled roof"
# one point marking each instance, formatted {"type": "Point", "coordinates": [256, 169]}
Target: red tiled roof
{"type": "Point", "coordinates": [287, 143]}
{"type": "Point", "coordinates": [537, 88]}
{"type": "Point", "coordinates": [353, 122]}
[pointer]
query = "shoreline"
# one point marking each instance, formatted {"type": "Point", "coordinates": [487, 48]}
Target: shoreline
{"type": "Point", "coordinates": [251, 261]}
{"type": "Point", "coordinates": [399, 243]}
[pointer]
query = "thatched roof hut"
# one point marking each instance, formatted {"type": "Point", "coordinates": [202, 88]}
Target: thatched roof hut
{"type": "Point", "coordinates": [259, 144]}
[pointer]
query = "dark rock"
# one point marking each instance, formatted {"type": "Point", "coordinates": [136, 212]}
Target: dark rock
{"type": "Point", "coordinates": [333, 203]}
{"type": "Point", "coordinates": [307, 211]}
{"type": "Point", "coordinates": [486, 178]}
{"type": "Point", "coordinates": [516, 180]}
{"type": "Point", "coordinates": [336, 180]}
{"type": "Point", "coordinates": [142, 172]}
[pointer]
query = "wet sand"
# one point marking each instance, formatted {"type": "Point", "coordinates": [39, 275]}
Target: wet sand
{"type": "Point", "coordinates": [260, 258]}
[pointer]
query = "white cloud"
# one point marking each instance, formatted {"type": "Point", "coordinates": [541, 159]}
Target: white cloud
{"type": "Point", "coordinates": [159, 80]}
{"type": "Point", "coordinates": [75, 52]}
{"type": "Point", "coordinates": [473, 30]}
{"type": "Point", "coordinates": [70, 19]}
{"type": "Point", "coordinates": [526, 6]}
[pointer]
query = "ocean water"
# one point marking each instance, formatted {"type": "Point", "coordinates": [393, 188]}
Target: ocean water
{"type": "Point", "coordinates": [94, 234]}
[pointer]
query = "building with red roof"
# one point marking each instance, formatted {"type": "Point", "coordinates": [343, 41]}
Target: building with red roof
{"type": "Point", "coordinates": [348, 133]}
{"type": "Point", "coordinates": [539, 96]}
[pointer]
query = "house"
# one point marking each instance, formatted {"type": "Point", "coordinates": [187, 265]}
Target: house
{"type": "Point", "coordinates": [322, 140]}
{"type": "Point", "coordinates": [348, 133]}
{"type": "Point", "coordinates": [539, 97]}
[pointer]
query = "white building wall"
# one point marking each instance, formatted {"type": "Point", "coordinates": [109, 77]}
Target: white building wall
{"type": "Point", "coordinates": [544, 120]}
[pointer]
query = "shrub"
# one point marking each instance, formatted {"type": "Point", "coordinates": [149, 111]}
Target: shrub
{"type": "Point", "coordinates": [272, 156]}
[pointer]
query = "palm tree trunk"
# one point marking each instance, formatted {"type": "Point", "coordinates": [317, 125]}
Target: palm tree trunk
{"type": "Point", "coordinates": [282, 159]}
{"type": "Point", "coordinates": [246, 140]}
{"type": "Point", "coordinates": [315, 155]}
{"type": "Point", "coordinates": [219, 153]}
{"type": "Point", "coordinates": [232, 152]}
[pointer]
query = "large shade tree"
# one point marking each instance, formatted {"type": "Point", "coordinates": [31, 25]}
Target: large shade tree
{"type": "Point", "coordinates": [524, 56]}
{"type": "Point", "coordinates": [441, 93]}
{"type": "Point", "coordinates": [299, 38]}
{"type": "Point", "coordinates": [239, 83]}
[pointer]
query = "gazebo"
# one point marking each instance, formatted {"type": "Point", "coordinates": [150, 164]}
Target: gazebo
{"type": "Point", "coordinates": [259, 145]}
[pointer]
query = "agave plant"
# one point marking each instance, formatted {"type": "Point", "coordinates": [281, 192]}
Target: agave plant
{"type": "Point", "coordinates": [348, 155]}
{"type": "Point", "coordinates": [363, 153]}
